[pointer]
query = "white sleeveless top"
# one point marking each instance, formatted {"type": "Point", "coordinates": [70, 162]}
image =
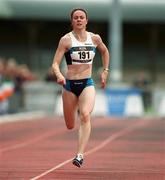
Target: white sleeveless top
{"type": "Point", "coordinates": [80, 52]}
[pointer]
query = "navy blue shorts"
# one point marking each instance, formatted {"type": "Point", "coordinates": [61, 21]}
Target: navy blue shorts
{"type": "Point", "coordinates": [77, 86]}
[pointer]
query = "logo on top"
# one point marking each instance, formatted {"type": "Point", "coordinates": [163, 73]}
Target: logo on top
{"type": "Point", "coordinates": [82, 48]}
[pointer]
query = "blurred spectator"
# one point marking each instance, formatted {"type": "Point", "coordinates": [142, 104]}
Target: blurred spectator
{"type": "Point", "coordinates": [2, 67]}
{"type": "Point", "coordinates": [9, 70]}
{"type": "Point", "coordinates": [22, 74]}
{"type": "Point", "coordinates": [25, 73]}
{"type": "Point", "coordinates": [50, 76]}
{"type": "Point", "coordinates": [142, 82]}
{"type": "Point", "coordinates": [6, 88]}
{"type": "Point", "coordinates": [12, 77]}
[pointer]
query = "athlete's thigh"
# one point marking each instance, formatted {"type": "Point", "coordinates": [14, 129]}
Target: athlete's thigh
{"type": "Point", "coordinates": [69, 106]}
{"type": "Point", "coordinates": [87, 99]}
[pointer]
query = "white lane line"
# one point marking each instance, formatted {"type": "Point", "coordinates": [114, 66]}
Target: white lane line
{"type": "Point", "coordinates": [22, 116]}
{"type": "Point", "coordinates": [115, 136]}
{"type": "Point", "coordinates": [103, 144]}
{"type": "Point", "coordinates": [31, 141]}
{"type": "Point", "coordinates": [116, 171]}
{"type": "Point", "coordinates": [52, 169]}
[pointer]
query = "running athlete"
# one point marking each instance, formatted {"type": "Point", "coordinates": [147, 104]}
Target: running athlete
{"type": "Point", "coordinates": [78, 47]}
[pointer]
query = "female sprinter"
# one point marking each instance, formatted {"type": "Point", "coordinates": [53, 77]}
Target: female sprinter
{"type": "Point", "coordinates": [78, 47]}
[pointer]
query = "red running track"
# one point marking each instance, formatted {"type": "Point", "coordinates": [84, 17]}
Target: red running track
{"type": "Point", "coordinates": [119, 149]}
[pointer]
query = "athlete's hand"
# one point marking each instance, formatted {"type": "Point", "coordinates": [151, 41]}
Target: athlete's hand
{"type": "Point", "coordinates": [104, 76]}
{"type": "Point", "coordinates": [61, 80]}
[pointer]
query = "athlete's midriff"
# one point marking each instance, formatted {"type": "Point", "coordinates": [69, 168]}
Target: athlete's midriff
{"type": "Point", "coordinates": [79, 71]}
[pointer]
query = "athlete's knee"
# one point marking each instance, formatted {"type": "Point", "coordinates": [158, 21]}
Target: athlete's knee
{"type": "Point", "coordinates": [70, 127]}
{"type": "Point", "coordinates": [69, 121]}
{"type": "Point", "coordinates": [85, 116]}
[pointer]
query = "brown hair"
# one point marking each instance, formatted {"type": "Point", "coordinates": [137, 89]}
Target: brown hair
{"type": "Point", "coordinates": [78, 9]}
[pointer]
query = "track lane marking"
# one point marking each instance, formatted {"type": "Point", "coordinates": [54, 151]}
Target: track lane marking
{"type": "Point", "coordinates": [28, 142]}
{"type": "Point", "coordinates": [100, 146]}
{"type": "Point", "coordinates": [22, 117]}
{"type": "Point", "coordinates": [117, 171]}
{"type": "Point", "coordinates": [34, 140]}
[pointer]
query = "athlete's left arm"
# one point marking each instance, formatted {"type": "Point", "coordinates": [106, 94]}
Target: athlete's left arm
{"type": "Point", "coordinates": [105, 59]}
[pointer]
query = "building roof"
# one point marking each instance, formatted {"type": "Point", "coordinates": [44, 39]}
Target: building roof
{"type": "Point", "coordinates": [132, 10]}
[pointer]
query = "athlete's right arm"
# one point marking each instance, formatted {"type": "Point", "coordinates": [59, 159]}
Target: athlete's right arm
{"type": "Point", "coordinates": [61, 49]}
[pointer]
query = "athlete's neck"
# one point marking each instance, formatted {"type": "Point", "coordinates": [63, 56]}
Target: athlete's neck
{"type": "Point", "coordinates": [80, 35]}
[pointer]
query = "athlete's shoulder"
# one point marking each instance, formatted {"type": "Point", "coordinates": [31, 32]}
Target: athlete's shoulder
{"type": "Point", "coordinates": [96, 38]}
{"type": "Point", "coordinates": [65, 40]}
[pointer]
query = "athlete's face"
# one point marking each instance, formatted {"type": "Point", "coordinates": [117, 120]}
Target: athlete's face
{"type": "Point", "coordinates": [79, 20]}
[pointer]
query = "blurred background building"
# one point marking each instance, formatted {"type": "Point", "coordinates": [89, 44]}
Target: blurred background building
{"type": "Point", "coordinates": [30, 31]}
